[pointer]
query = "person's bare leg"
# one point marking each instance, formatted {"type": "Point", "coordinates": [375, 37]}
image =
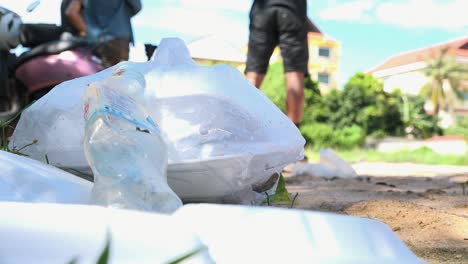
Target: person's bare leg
{"type": "Point", "coordinates": [295, 96]}
{"type": "Point", "coordinates": [255, 78]}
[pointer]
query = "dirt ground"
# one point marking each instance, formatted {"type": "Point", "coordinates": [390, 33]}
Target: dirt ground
{"type": "Point", "coordinates": [427, 211]}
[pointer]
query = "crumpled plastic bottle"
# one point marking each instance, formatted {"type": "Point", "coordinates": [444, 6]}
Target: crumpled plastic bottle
{"type": "Point", "coordinates": [123, 146]}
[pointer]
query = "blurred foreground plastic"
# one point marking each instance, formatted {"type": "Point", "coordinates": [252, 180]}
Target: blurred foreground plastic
{"type": "Point", "coordinates": [223, 135]}
{"type": "Point", "coordinates": [241, 234]}
{"type": "Point", "coordinates": [54, 233]}
{"type": "Point", "coordinates": [48, 233]}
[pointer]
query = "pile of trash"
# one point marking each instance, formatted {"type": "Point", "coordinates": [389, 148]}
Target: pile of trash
{"type": "Point", "coordinates": [147, 136]}
{"type": "Point", "coordinates": [222, 135]}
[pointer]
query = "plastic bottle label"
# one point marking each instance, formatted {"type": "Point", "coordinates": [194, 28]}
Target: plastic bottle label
{"type": "Point", "coordinates": [105, 101]}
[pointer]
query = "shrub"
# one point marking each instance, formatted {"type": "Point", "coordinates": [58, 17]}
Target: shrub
{"type": "Point", "coordinates": [318, 135]}
{"type": "Point", "coordinates": [321, 135]}
{"type": "Point", "coordinates": [459, 129]}
{"type": "Point", "coordinates": [314, 109]}
{"type": "Point", "coordinates": [274, 85]}
{"type": "Point", "coordinates": [361, 108]}
{"type": "Point", "coordinates": [363, 102]}
{"type": "Point", "coordinates": [349, 137]}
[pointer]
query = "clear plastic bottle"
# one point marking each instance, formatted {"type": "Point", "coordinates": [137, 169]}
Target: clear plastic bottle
{"type": "Point", "coordinates": [124, 147]}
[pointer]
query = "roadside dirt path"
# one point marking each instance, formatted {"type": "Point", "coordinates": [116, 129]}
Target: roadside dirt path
{"type": "Point", "coordinates": [425, 208]}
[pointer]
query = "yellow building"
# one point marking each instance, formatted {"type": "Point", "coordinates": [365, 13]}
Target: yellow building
{"type": "Point", "coordinates": [324, 59]}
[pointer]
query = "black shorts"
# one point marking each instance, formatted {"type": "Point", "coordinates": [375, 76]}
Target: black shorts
{"type": "Point", "coordinates": [277, 26]}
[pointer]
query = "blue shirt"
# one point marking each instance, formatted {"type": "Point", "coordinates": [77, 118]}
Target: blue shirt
{"type": "Point", "coordinates": [110, 18]}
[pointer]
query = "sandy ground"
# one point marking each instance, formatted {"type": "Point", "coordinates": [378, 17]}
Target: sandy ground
{"type": "Point", "coordinates": [422, 204]}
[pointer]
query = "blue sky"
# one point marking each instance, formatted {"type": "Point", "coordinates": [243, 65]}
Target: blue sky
{"type": "Point", "coordinates": [369, 30]}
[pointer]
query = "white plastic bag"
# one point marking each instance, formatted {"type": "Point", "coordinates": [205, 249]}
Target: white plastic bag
{"type": "Point", "coordinates": [26, 180]}
{"type": "Point", "coordinates": [223, 134]}
{"type": "Point", "coordinates": [330, 165]}
{"type": "Point", "coordinates": [329, 158]}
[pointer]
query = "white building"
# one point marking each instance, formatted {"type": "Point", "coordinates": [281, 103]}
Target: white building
{"type": "Point", "coordinates": [406, 70]}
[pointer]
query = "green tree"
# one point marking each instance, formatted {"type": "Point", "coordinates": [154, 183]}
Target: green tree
{"type": "Point", "coordinates": [314, 110]}
{"type": "Point", "coordinates": [416, 121]}
{"type": "Point", "coordinates": [274, 85]}
{"type": "Point", "coordinates": [340, 119]}
{"type": "Point", "coordinates": [445, 76]}
{"type": "Point", "coordinates": [364, 103]}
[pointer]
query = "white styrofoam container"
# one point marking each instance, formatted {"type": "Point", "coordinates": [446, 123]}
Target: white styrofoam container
{"type": "Point", "coordinates": [58, 233]}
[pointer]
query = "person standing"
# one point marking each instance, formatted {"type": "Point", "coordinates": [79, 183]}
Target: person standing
{"type": "Point", "coordinates": [105, 22]}
{"type": "Point", "coordinates": [282, 23]}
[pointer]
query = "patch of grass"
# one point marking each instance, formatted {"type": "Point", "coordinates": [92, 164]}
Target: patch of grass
{"type": "Point", "coordinates": [422, 155]}
{"type": "Point", "coordinates": [281, 195]}
{"type": "Point", "coordinates": [188, 255]}
{"type": "Point", "coordinates": [104, 256]}
{"type": "Point", "coordinates": [5, 125]}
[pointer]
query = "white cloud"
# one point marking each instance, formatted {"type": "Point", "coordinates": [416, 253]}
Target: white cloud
{"type": "Point", "coordinates": [137, 53]}
{"type": "Point", "coordinates": [187, 21]}
{"type": "Point", "coordinates": [450, 15]}
{"type": "Point", "coordinates": [435, 14]}
{"type": "Point", "coordinates": [351, 11]}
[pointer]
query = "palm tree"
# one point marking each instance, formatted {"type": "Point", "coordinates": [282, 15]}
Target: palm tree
{"type": "Point", "coordinates": [445, 77]}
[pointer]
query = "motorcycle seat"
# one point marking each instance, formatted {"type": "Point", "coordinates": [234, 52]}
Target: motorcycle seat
{"type": "Point", "coordinates": [52, 47]}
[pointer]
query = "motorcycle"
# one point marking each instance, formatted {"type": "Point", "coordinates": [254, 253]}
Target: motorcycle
{"type": "Point", "coordinates": [54, 57]}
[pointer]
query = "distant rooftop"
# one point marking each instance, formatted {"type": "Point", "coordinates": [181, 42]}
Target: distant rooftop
{"type": "Point", "coordinates": [311, 27]}
{"type": "Point", "coordinates": [457, 48]}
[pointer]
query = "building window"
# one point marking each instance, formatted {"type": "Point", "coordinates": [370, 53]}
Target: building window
{"type": "Point", "coordinates": [323, 78]}
{"type": "Point", "coordinates": [324, 52]}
